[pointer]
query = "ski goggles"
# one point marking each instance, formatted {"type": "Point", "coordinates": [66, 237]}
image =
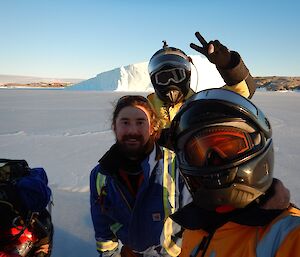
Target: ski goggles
{"type": "Point", "coordinates": [217, 146]}
{"type": "Point", "coordinates": [175, 75]}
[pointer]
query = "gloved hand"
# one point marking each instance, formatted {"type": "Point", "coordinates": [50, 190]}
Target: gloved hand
{"type": "Point", "coordinates": [112, 253]}
{"type": "Point", "coordinates": [127, 252]}
{"type": "Point", "coordinates": [214, 51]}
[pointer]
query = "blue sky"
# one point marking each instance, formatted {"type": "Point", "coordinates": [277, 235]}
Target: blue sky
{"type": "Point", "coordinates": [81, 38]}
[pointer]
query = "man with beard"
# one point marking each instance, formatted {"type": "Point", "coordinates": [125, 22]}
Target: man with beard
{"type": "Point", "coordinates": [133, 189]}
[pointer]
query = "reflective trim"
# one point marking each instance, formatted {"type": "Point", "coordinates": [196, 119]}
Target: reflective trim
{"type": "Point", "coordinates": [106, 246]}
{"type": "Point", "coordinates": [169, 245]}
{"type": "Point", "coordinates": [100, 182]}
{"type": "Point", "coordinates": [169, 186]}
{"type": "Point", "coordinates": [115, 227]}
{"type": "Point", "coordinates": [172, 190]}
{"type": "Point", "coordinates": [165, 183]}
{"type": "Point", "coordinates": [169, 199]}
{"type": "Point", "coordinates": [270, 243]}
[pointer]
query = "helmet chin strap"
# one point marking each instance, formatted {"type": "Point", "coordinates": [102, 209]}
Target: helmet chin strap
{"type": "Point", "coordinates": [174, 96]}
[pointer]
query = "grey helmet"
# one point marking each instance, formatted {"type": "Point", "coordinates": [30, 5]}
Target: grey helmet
{"type": "Point", "coordinates": [170, 73]}
{"type": "Point", "coordinates": [223, 143]}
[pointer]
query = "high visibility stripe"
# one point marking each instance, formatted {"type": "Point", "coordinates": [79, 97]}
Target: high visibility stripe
{"type": "Point", "coordinates": [106, 246]}
{"type": "Point", "coordinates": [165, 183]}
{"type": "Point", "coordinates": [169, 188]}
{"type": "Point", "coordinates": [270, 243]}
{"type": "Point", "coordinates": [115, 227]}
{"type": "Point", "coordinates": [173, 185]}
{"type": "Point", "coordinates": [168, 243]}
{"type": "Point", "coordinates": [100, 181]}
{"type": "Point", "coordinates": [169, 182]}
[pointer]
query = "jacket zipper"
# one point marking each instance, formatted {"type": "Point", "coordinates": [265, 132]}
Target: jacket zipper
{"type": "Point", "coordinates": [124, 198]}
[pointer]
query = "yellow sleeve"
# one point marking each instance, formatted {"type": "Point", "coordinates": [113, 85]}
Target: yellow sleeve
{"type": "Point", "coordinates": [240, 88]}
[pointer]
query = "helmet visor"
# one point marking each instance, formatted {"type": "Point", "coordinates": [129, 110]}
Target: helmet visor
{"type": "Point", "coordinates": [164, 77]}
{"type": "Point", "coordinates": [217, 146]}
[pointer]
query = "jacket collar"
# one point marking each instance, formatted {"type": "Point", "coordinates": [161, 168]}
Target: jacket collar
{"type": "Point", "coordinates": [193, 217]}
{"type": "Point", "coordinates": [112, 160]}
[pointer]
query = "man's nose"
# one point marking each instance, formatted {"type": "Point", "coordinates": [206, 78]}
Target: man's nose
{"type": "Point", "coordinates": [132, 129]}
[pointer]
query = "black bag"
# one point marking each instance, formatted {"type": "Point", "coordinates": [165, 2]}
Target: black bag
{"type": "Point", "coordinates": [11, 211]}
{"type": "Point", "coordinates": [10, 207]}
{"type": "Point", "coordinates": [11, 170]}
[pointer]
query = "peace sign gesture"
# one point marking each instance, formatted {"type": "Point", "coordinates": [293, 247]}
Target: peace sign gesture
{"type": "Point", "coordinates": [214, 51]}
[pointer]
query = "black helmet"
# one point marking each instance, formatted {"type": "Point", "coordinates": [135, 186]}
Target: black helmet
{"type": "Point", "coordinates": [170, 73]}
{"type": "Point", "coordinates": [224, 147]}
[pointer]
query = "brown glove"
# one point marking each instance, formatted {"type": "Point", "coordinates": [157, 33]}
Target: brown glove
{"type": "Point", "coordinates": [127, 252]}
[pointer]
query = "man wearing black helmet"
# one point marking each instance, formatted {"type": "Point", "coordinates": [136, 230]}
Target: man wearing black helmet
{"type": "Point", "coordinates": [170, 74]}
{"type": "Point", "coordinates": [224, 147]}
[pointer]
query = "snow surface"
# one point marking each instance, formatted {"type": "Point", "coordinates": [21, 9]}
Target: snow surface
{"type": "Point", "coordinates": [66, 132]}
{"type": "Point", "coordinates": [135, 77]}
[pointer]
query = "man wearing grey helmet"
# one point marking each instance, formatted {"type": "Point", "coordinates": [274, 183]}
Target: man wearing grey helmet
{"type": "Point", "coordinates": [224, 147]}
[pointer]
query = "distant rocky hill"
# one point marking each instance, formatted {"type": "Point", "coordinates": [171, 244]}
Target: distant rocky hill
{"type": "Point", "coordinates": [21, 81]}
{"type": "Point", "coordinates": [37, 85]}
{"type": "Point", "coordinates": [273, 83]}
{"type": "Point", "coordinates": [269, 83]}
{"type": "Point", "coordinates": [277, 83]}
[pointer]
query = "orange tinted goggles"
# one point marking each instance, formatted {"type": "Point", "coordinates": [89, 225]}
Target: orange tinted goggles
{"type": "Point", "coordinates": [217, 146]}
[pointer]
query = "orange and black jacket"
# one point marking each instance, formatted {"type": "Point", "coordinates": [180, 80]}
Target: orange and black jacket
{"type": "Point", "coordinates": [248, 232]}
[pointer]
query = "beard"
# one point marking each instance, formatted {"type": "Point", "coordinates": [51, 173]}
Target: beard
{"type": "Point", "coordinates": [138, 150]}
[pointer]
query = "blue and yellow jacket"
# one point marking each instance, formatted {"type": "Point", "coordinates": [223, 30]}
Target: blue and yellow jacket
{"type": "Point", "coordinates": [136, 221]}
